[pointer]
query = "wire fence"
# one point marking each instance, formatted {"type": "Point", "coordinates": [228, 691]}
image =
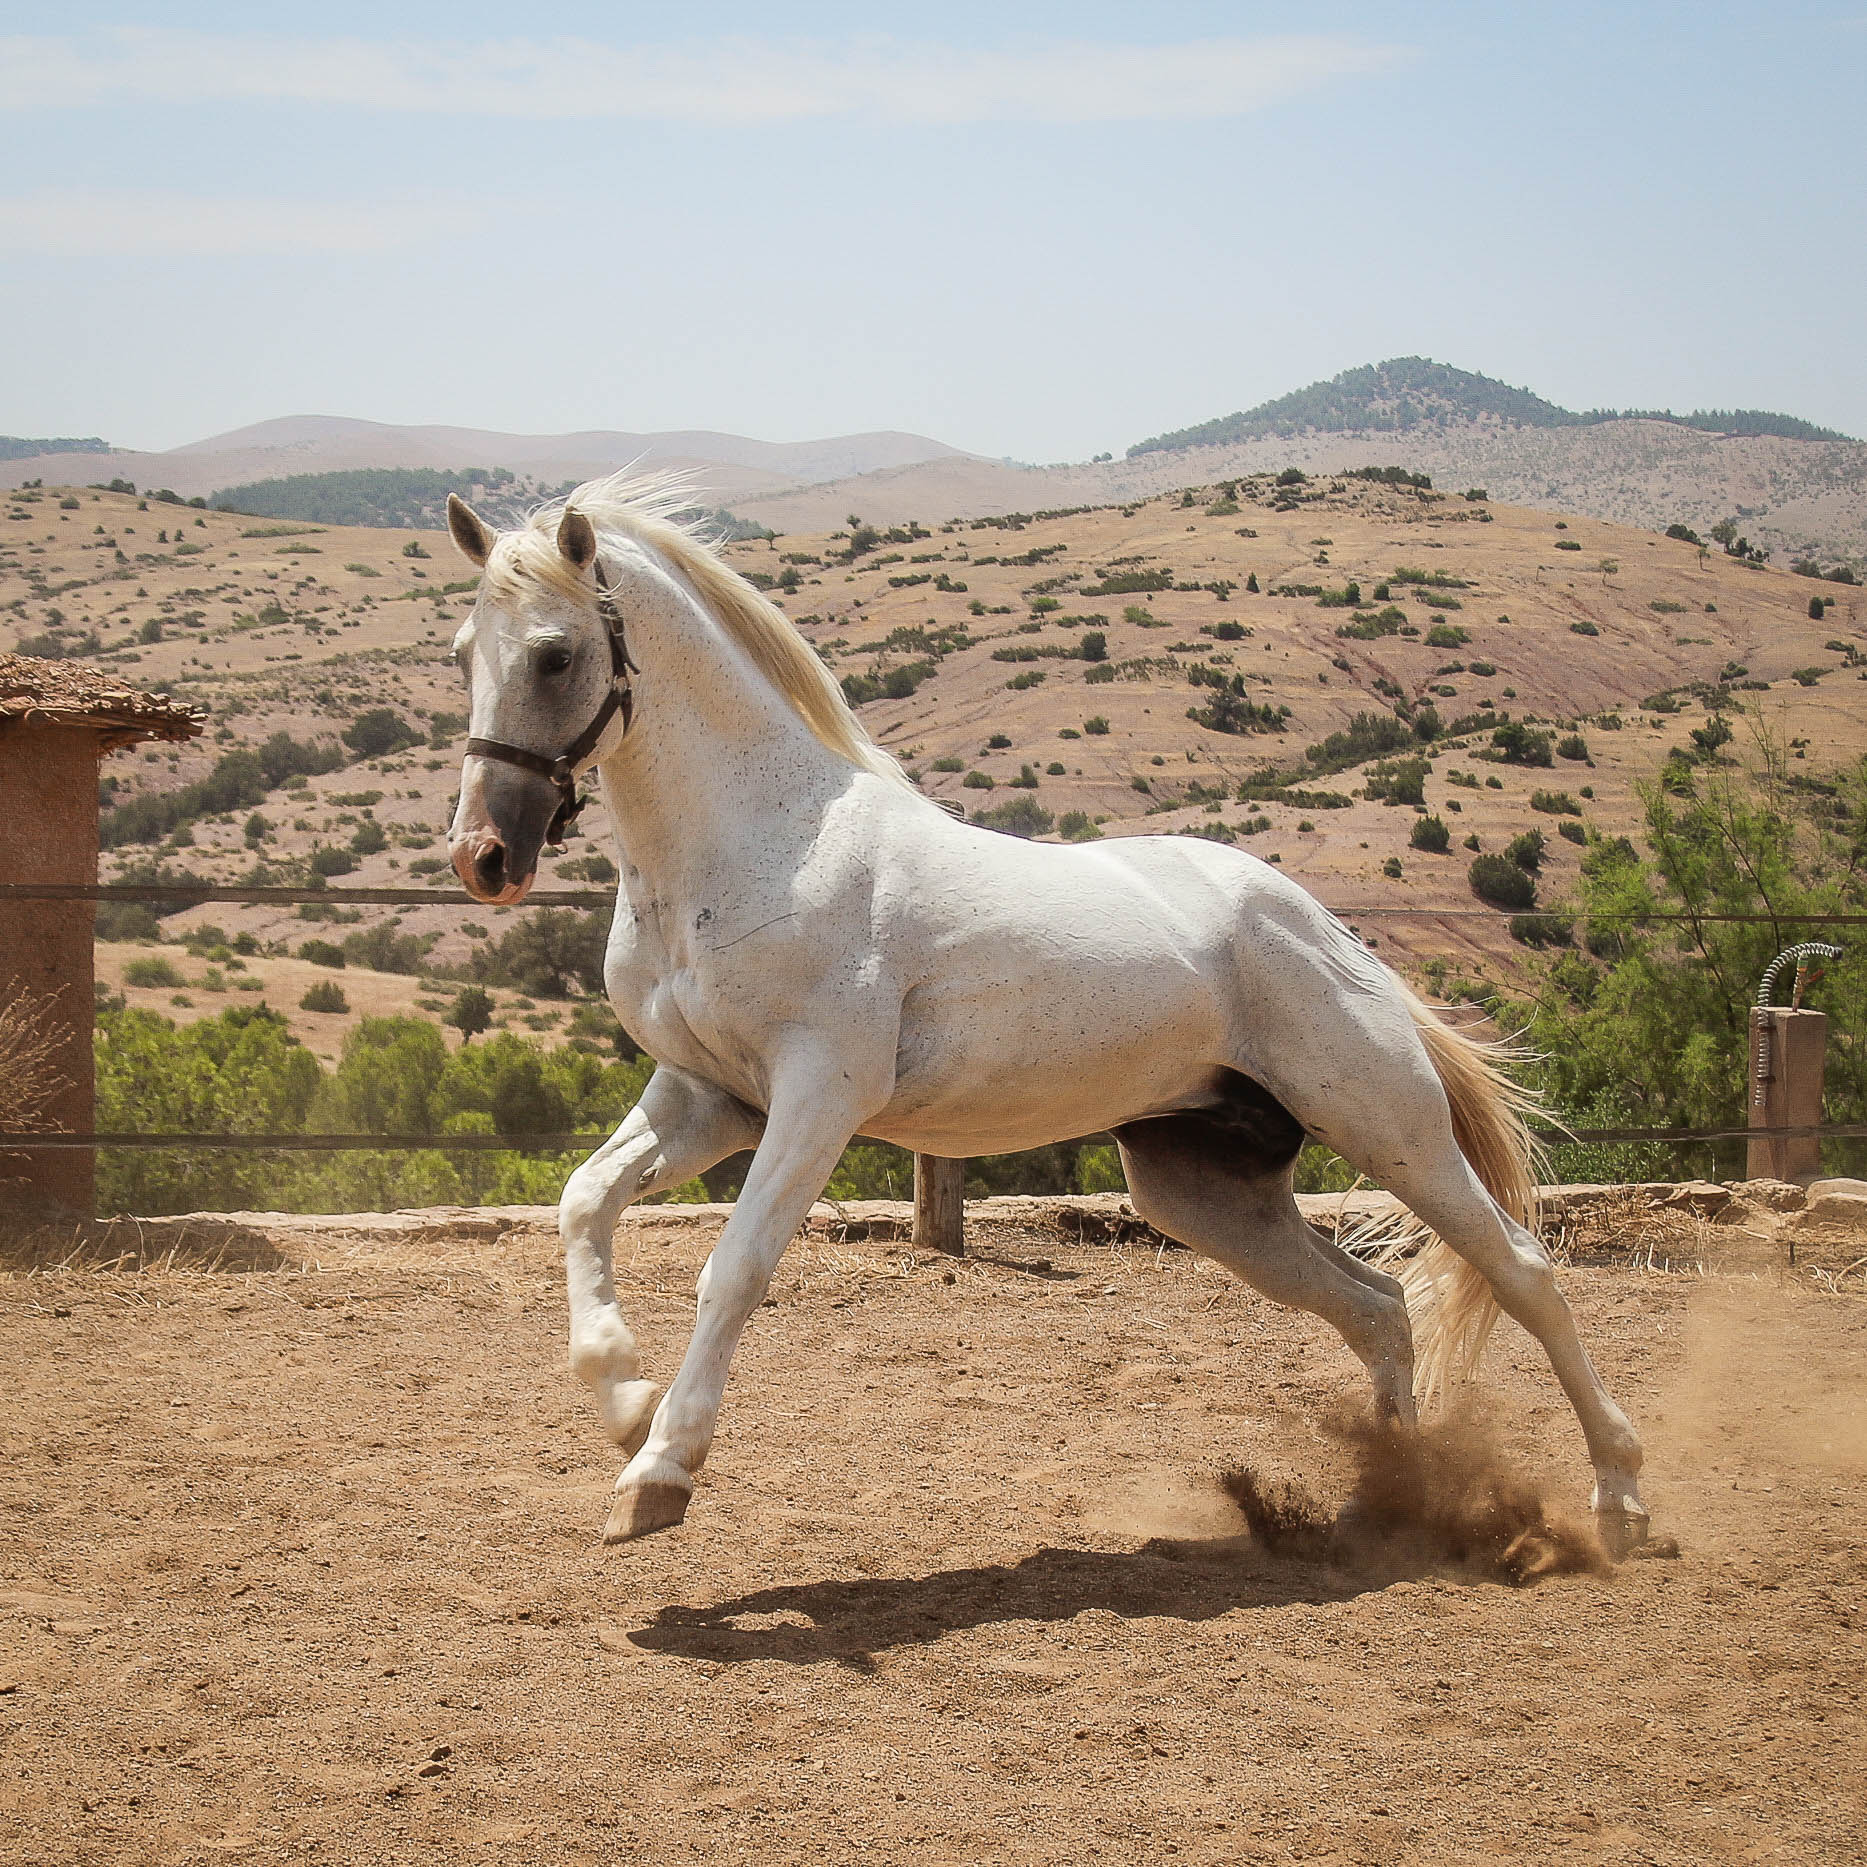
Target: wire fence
{"type": "Point", "coordinates": [183, 895]}
{"type": "Point", "coordinates": [568, 1143]}
{"type": "Point", "coordinates": [180, 895]}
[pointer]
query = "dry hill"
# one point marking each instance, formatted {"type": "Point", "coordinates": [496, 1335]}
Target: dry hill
{"type": "Point", "coordinates": [981, 630]}
{"type": "Point", "coordinates": [733, 465]}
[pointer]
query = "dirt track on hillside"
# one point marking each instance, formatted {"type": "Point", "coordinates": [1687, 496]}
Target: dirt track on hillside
{"type": "Point", "coordinates": [303, 1565]}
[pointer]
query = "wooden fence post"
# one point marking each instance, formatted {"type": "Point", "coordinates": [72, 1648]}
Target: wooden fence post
{"type": "Point", "coordinates": [1787, 1056]}
{"type": "Point", "coordinates": [940, 1204]}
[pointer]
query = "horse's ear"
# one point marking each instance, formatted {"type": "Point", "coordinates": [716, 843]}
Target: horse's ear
{"type": "Point", "coordinates": [470, 532]}
{"type": "Point", "coordinates": [577, 538]}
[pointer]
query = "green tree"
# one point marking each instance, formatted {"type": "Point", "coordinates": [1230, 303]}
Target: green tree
{"type": "Point", "coordinates": [551, 954]}
{"type": "Point", "coordinates": [1647, 1025]}
{"type": "Point", "coordinates": [240, 1073]}
{"type": "Point", "coordinates": [378, 732]}
{"type": "Point", "coordinates": [471, 1012]}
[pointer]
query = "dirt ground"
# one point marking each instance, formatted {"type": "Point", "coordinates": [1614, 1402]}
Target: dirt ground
{"type": "Point", "coordinates": [302, 1563]}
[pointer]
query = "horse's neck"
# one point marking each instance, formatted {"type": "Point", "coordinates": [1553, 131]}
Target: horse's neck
{"type": "Point", "coordinates": [717, 769]}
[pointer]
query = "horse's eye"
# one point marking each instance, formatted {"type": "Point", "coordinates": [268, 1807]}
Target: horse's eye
{"type": "Point", "coordinates": [554, 661]}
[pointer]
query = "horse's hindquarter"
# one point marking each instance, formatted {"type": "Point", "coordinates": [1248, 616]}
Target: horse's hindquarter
{"type": "Point", "coordinates": [1056, 990]}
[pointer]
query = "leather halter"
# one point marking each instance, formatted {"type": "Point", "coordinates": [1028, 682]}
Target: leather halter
{"type": "Point", "coordinates": [562, 770]}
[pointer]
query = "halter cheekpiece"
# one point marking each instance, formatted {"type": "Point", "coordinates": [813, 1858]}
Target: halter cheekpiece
{"type": "Point", "coordinates": [562, 770]}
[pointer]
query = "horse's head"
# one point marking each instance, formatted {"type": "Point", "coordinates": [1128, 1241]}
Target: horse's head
{"type": "Point", "coordinates": [546, 688]}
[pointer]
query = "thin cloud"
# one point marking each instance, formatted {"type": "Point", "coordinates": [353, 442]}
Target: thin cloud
{"type": "Point", "coordinates": [729, 82]}
{"type": "Point", "coordinates": [81, 222]}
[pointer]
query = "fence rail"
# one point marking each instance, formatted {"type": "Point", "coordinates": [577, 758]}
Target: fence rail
{"type": "Point", "coordinates": [570, 1143]}
{"type": "Point", "coordinates": [187, 895]}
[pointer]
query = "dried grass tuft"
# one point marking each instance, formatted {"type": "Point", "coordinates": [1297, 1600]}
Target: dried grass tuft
{"type": "Point", "coordinates": [30, 1041]}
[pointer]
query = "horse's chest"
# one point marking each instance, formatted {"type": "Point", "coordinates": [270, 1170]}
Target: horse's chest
{"type": "Point", "coordinates": [660, 980]}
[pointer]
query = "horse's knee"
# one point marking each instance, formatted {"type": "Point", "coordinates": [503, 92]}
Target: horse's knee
{"type": "Point", "coordinates": [603, 1350]}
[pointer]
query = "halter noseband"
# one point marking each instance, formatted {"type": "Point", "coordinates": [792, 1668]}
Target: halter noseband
{"type": "Point", "coordinates": [562, 770]}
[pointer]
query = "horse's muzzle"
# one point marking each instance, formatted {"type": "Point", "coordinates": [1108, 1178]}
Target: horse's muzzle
{"type": "Point", "coordinates": [498, 831]}
{"type": "Point", "coordinates": [481, 862]}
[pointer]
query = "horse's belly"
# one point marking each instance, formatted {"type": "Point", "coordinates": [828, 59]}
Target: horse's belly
{"type": "Point", "coordinates": [974, 1078]}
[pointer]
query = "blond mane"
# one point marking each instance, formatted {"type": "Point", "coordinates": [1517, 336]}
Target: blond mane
{"type": "Point", "coordinates": [646, 507]}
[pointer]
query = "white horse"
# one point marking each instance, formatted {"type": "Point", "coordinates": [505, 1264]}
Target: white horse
{"type": "Point", "coordinates": [811, 950]}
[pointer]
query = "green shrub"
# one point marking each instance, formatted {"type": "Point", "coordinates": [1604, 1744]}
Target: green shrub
{"type": "Point", "coordinates": [949, 764]}
{"type": "Point", "coordinates": [978, 781]}
{"type": "Point", "coordinates": [152, 972]}
{"type": "Point", "coordinates": [383, 949]}
{"type": "Point", "coordinates": [1399, 781]}
{"type": "Point", "coordinates": [1018, 816]}
{"type": "Point", "coordinates": [1555, 804]}
{"type": "Point", "coordinates": [327, 859]}
{"type": "Point", "coordinates": [1371, 626]}
{"type": "Point", "coordinates": [321, 953]}
{"type": "Point", "coordinates": [1526, 850]}
{"type": "Point", "coordinates": [1541, 930]}
{"type": "Point", "coordinates": [896, 684]}
{"type": "Point", "coordinates": [1501, 883]}
{"type": "Point", "coordinates": [1431, 835]}
{"type": "Point", "coordinates": [1391, 868]}
{"type": "Point", "coordinates": [1572, 746]}
{"type": "Point", "coordinates": [379, 732]}
{"type": "Point", "coordinates": [1097, 727]}
{"type": "Point", "coordinates": [1074, 826]}
{"type": "Point", "coordinates": [1571, 831]}
{"type": "Point", "coordinates": [1518, 744]}
{"type": "Point", "coordinates": [324, 995]}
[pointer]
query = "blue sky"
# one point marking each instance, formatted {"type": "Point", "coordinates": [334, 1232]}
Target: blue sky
{"type": "Point", "coordinates": [1032, 230]}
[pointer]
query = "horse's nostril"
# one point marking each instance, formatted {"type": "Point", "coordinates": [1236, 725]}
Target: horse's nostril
{"type": "Point", "coordinates": [490, 866]}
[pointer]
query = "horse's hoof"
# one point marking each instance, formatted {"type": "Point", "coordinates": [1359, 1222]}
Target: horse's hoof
{"type": "Point", "coordinates": [1622, 1532]}
{"type": "Point", "coordinates": [641, 1510]}
{"type": "Point", "coordinates": [628, 1412]}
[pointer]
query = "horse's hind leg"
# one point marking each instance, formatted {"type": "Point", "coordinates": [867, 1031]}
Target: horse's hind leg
{"type": "Point", "coordinates": [1228, 1197]}
{"type": "Point", "coordinates": [1390, 1117]}
{"type": "Point", "coordinates": [680, 1126]}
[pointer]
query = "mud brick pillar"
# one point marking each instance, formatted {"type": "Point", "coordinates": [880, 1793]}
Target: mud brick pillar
{"type": "Point", "coordinates": [48, 793]}
{"type": "Point", "coordinates": [940, 1204]}
{"type": "Point", "coordinates": [1788, 1051]}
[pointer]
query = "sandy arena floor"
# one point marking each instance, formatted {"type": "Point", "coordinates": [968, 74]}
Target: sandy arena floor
{"type": "Point", "coordinates": [302, 1565]}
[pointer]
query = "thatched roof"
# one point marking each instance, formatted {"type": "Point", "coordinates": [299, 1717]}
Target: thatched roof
{"type": "Point", "coordinates": [74, 693]}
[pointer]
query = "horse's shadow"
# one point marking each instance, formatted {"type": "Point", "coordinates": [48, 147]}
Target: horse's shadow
{"type": "Point", "coordinates": [850, 1622]}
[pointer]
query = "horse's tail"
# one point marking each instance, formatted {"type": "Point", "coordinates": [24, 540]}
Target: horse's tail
{"type": "Point", "coordinates": [1452, 1305]}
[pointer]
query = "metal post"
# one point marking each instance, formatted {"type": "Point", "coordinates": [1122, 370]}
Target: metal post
{"type": "Point", "coordinates": [940, 1204]}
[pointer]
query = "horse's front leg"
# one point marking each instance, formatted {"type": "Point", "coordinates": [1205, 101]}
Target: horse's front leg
{"type": "Point", "coordinates": [680, 1127]}
{"type": "Point", "coordinates": [804, 1137]}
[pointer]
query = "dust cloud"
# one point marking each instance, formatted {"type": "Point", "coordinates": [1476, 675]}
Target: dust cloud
{"type": "Point", "coordinates": [1444, 1494]}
